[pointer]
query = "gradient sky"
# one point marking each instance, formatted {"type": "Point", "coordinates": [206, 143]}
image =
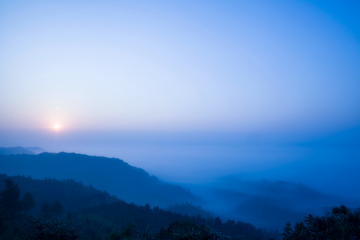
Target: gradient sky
{"type": "Point", "coordinates": [180, 65]}
{"type": "Point", "coordinates": [188, 90]}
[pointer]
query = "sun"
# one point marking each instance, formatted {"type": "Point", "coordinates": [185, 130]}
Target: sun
{"type": "Point", "coordinates": [56, 126]}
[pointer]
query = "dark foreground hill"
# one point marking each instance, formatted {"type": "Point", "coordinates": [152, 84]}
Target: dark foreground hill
{"type": "Point", "coordinates": [113, 175]}
{"type": "Point", "coordinates": [72, 195]}
{"type": "Point", "coordinates": [86, 213]}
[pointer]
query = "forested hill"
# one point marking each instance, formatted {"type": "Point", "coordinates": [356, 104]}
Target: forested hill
{"type": "Point", "coordinates": [53, 209]}
{"type": "Point", "coordinates": [113, 175]}
{"type": "Point", "coordinates": [72, 195]}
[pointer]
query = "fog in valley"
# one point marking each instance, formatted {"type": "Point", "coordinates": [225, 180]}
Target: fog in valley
{"type": "Point", "coordinates": [263, 179]}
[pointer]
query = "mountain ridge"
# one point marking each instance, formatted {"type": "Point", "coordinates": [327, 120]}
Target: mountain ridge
{"type": "Point", "coordinates": [15, 150]}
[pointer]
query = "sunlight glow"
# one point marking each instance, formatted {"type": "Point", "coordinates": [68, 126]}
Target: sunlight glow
{"type": "Point", "coordinates": [56, 126]}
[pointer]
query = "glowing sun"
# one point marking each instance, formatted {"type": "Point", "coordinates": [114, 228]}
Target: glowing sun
{"type": "Point", "coordinates": [56, 126]}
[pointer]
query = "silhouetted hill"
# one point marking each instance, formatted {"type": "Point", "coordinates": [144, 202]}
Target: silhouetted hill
{"type": "Point", "coordinates": [117, 216]}
{"type": "Point", "coordinates": [97, 215]}
{"type": "Point", "coordinates": [72, 195]}
{"type": "Point", "coordinates": [128, 183]}
{"type": "Point", "coordinates": [15, 150]}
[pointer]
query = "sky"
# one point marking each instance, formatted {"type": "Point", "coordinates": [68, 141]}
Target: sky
{"type": "Point", "coordinates": [226, 85]}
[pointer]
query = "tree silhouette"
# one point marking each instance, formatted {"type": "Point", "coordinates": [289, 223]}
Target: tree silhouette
{"type": "Point", "coordinates": [28, 202]}
{"type": "Point", "coordinates": [45, 209]}
{"type": "Point", "coordinates": [218, 224]}
{"type": "Point", "coordinates": [287, 231]}
{"type": "Point", "coordinates": [56, 208]}
{"type": "Point", "coordinates": [10, 199]}
{"type": "Point", "coordinates": [341, 223]}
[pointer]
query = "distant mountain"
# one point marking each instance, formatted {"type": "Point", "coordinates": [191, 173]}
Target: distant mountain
{"type": "Point", "coordinates": [117, 177]}
{"type": "Point", "coordinates": [268, 204]}
{"type": "Point", "coordinates": [15, 150]}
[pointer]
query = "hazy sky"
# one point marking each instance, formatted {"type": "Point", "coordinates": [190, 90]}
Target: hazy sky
{"type": "Point", "coordinates": [180, 65]}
